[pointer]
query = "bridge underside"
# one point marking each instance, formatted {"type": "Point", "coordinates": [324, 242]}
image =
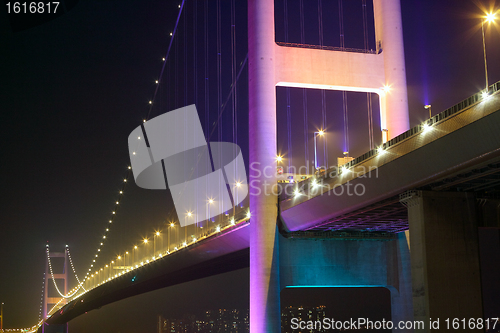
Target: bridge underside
{"type": "Point", "coordinates": [389, 216]}
{"type": "Point", "coordinates": [464, 160]}
{"type": "Point", "coordinates": [227, 252]}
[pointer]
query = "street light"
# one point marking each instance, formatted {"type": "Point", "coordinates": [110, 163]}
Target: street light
{"type": "Point", "coordinates": [170, 227]}
{"type": "Point", "coordinates": [210, 202]}
{"type": "Point", "coordinates": [189, 214]}
{"type": "Point", "coordinates": [428, 106]}
{"type": "Point", "coordinates": [490, 17]}
{"type": "Point", "coordinates": [320, 133]}
{"type": "Point", "coordinates": [156, 235]}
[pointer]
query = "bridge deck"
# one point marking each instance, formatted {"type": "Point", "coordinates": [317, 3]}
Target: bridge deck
{"type": "Point", "coordinates": [460, 152]}
{"type": "Point", "coordinates": [222, 253]}
{"type": "Point", "coordinates": [363, 194]}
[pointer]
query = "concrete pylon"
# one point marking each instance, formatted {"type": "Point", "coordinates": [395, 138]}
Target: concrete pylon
{"type": "Point", "coordinates": [264, 285]}
{"type": "Point", "coordinates": [47, 300]}
{"type": "Point", "coordinates": [382, 72]}
{"type": "Point", "coordinates": [445, 265]}
{"type": "Point", "coordinates": [389, 39]}
{"type": "Point", "coordinates": [271, 65]}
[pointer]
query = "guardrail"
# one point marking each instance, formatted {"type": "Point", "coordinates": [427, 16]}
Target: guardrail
{"type": "Point", "coordinates": [333, 172]}
{"type": "Point", "coordinates": [437, 118]}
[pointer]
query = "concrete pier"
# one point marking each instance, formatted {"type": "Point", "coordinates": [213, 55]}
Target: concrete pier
{"type": "Point", "coordinates": [444, 256]}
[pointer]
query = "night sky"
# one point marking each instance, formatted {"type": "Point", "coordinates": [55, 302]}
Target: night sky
{"type": "Point", "coordinates": [72, 90]}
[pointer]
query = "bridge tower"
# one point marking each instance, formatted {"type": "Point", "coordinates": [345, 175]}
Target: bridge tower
{"type": "Point", "coordinates": [49, 279]}
{"type": "Point", "coordinates": [271, 65]}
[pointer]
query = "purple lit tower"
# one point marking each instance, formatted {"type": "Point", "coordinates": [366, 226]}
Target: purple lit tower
{"type": "Point", "coordinates": [269, 65]}
{"type": "Point", "coordinates": [264, 284]}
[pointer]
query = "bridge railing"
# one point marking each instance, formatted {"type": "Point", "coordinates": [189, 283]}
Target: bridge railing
{"type": "Point", "coordinates": [163, 245]}
{"type": "Point", "coordinates": [331, 175]}
{"type": "Point", "coordinates": [478, 97]}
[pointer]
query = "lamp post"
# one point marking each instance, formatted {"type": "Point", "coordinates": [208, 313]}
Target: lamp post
{"type": "Point", "coordinates": [169, 231]}
{"type": "Point", "coordinates": [118, 264]}
{"type": "Point", "coordinates": [428, 107]}
{"type": "Point", "coordinates": [189, 214]}
{"type": "Point", "coordinates": [156, 235]}
{"type": "Point", "coordinates": [1, 316]}
{"type": "Point", "coordinates": [490, 17]}
{"type": "Point", "coordinates": [209, 203]}
{"type": "Point", "coordinates": [145, 240]}
{"type": "Point", "coordinates": [133, 255]}
{"type": "Point", "coordinates": [320, 133]}
{"type": "Point", "coordinates": [237, 186]}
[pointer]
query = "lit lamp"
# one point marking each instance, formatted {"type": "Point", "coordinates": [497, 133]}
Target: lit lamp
{"type": "Point", "coordinates": [429, 108]}
{"type": "Point", "coordinates": [320, 133]}
{"type": "Point", "coordinates": [156, 235]}
{"type": "Point", "coordinates": [210, 202]}
{"type": "Point", "coordinates": [170, 227]}
{"type": "Point", "coordinates": [490, 17]}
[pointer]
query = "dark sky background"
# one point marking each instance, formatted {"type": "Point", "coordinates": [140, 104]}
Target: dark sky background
{"type": "Point", "coordinates": [72, 90]}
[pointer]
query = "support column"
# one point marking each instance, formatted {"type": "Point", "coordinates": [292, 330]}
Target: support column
{"type": "Point", "coordinates": [264, 284]}
{"type": "Point", "coordinates": [389, 39]}
{"type": "Point", "coordinates": [444, 256]}
{"type": "Point", "coordinates": [350, 263]}
{"type": "Point", "coordinates": [47, 299]}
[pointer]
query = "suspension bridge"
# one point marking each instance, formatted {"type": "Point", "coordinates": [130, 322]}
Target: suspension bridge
{"type": "Point", "coordinates": [398, 197]}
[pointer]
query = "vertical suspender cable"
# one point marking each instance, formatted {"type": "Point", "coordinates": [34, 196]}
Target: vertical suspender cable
{"type": "Point", "coordinates": [186, 133]}
{"type": "Point", "coordinates": [206, 85]}
{"type": "Point", "coordinates": [176, 73]}
{"type": "Point", "coordinates": [323, 96]}
{"type": "Point", "coordinates": [344, 93]}
{"type": "Point", "coordinates": [219, 68]}
{"type": "Point", "coordinates": [341, 24]}
{"type": "Point", "coordinates": [368, 95]}
{"type": "Point", "coordinates": [186, 80]}
{"type": "Point", "coordinates": [219, 91]}
{"type": "Point", "coordinates": [233, 71]}
{"type": "Point", "coordinates": [234, 95]}
{"type": "Point", "coordinates": [304, 91]}
{"type": "Point", "coordinates": [320, 22]}
{"type": "Point", "coordinates": [288, 111]}
{"type": "Point", "coordinates": [195, 53]}
{"type": "Point", "coordinates": [365, 25]}
{"type": "Point", "coordinates": [185, 58]}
